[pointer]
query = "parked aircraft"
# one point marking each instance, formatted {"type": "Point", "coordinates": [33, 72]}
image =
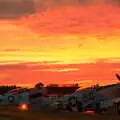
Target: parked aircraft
{"type": "Point", "coordinates": [98, 98]}
{"type": "Point", "coordinates": [33, 98]}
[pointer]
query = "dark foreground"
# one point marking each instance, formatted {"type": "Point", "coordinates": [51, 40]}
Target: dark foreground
{"type": "Point", "coordinates": [13, 113]}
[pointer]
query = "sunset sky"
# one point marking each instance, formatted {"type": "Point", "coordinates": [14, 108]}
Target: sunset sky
{"type": "Point", "coordinates": [59, 41]}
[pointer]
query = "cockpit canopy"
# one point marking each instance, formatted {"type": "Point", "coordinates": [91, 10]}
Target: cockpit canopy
{"type": "Point", "coordinates": [18, 90]}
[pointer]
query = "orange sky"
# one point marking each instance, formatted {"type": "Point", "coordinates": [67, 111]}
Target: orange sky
{"type": "Point", "coordinates": [62, 43]}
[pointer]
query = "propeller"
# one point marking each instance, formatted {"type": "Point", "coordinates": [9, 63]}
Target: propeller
{"type": "Point", "coordinates": [118, 76]}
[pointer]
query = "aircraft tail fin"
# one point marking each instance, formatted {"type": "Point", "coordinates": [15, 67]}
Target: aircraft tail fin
{"type": "Point", "coordinates": [118, 76]}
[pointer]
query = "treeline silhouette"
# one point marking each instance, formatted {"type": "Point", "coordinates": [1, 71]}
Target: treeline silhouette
{"type": "Point", "coordinates": [5, 89]}
{"type": "Point", "coordinates": [61, 90]}
{"type": "Point", "coordinates": [51, 88]}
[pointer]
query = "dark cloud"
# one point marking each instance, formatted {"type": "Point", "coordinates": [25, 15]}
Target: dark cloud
{"type": "Point", "coordinates": [46, 4]}
{"type": "Point", "coordinates": [54, 64]}
{"type": "Point", "coordinates": [13, 66]}
{"type": "Point", "coordinates": [16, 8]}
{"type": "Point", "coordinates": [102, 70]}
{"type": "Point", "coordinates": [11, 50]}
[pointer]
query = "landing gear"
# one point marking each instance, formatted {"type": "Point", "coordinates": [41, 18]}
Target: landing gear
{"type": "Point", "coordinates": [98, 109]}
{"type": "Point", "coordinates": [118, 108]}
{"type": "Point", "coordinates": [79, 106]}
{"type": "Point", "coordinates": [71, 104]}
{"type": "Point", "coordinates": [69, 108]}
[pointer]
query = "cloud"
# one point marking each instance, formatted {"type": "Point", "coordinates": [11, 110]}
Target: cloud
{"type": "Point", "coordinates": [75, 20]}
{"type": "Point", "coordinates": [13, 66]}
{"type": "Point", "coordinates": [31, 73]}
{"type": "Point", "coordinates": [49, 4]}
{"type": "Point", "coordinates": [18, 8]}
{"type": "Point", "coordinates": [15, 8]}
{"type": "Point", "coordinates": [11, 50]}
{"type": "Point", "coordinates": [60, 70]}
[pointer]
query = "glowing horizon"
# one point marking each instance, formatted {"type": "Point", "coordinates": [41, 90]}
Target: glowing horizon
{"type": "Point", "coordinates": [61, 43]}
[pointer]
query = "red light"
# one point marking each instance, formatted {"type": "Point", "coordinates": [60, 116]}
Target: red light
{"type": "Point", "coordinates": [89, 112]}
{"type": "Point", "coordinates": [23, 107]}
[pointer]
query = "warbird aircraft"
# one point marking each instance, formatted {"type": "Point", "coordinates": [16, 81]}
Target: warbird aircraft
{"type": "Point", "coordinates": [97, 99]}
{"type": "Point", "coordinates": [32, 98]}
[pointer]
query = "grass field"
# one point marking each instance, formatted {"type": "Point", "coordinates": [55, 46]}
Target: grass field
{"type": "Point", "coordinates": [13, 113]}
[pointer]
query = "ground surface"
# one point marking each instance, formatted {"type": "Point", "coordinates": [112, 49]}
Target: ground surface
{"type": "Point", "coordinates": [13, 113]}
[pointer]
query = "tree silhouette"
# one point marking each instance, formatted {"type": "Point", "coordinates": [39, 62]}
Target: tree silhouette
{"type": "Point", "coordinates": [39, 85]}
{"type": "Point", "coordinates": [5, 89]}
